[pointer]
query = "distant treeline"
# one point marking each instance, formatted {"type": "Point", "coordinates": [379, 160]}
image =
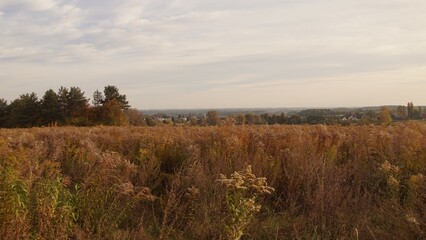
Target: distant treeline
{"type": "Point", "coordinates": [308, 116]}
{"type": "Point", "coordinates": [67, 106]}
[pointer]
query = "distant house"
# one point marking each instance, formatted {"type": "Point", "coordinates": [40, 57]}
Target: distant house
{"type": "Point", "coordinates": [351, 118]}
{"type": "Point", "coordinates": [162, 119]}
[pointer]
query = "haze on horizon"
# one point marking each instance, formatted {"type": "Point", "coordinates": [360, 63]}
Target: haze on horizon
{"type": "Point", "coordinates": [218, 54]}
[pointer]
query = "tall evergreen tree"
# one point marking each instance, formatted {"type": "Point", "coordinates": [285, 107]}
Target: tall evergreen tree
{"type": "Point", "coordinates": [50, 108]}
{"type": "Point", "coordinates": [24, 111]}
{"type": "Point", "coordinates": [77, 102]}
{"type": "Point", "coordinates": [98, 97]}
{"type": "Point", "coordinates": [63, 93]}
{"type": "Point", "coordinates": [3, 112]}
{"type": "Point", "coordinates": [112, 93]}
{"type": "Point", "coordinates": [73, 105]}
{"type": "Point", "coordinates": [78, 106]}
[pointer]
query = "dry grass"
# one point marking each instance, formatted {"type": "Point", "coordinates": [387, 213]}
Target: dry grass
{"type": "Point", "coordinates": [331, 182]}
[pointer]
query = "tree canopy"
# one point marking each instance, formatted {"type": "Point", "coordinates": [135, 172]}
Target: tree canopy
{"type": "Point", "coordinates": [67, 106]}
{"type": "Point", "coordinates": [111, 93]}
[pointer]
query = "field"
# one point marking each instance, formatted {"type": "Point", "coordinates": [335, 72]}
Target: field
{"type": "Point", "coordinates": [329, 182]}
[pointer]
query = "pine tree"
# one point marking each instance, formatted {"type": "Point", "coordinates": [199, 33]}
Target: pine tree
{"type": "Point", "coordinates": [3, 112]}
{"type": "Point", "coordinates": [50, 108]}
{"type": "Point", "coordinates": [112, 93]}
{"type": "Point", "coordinates": [73, 105]}
{"type": "Point", "coordinates": [77, 102]}
{"type": "Point", "coordinates": [63, 103]}
{"type": "Point", "coordinates": [24, 111]}
{"type": "Point", "coordinates": [98, 98]}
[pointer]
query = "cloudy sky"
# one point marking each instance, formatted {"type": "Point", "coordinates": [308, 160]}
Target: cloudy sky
{"type": "Point", "coordinates": [218, 53]}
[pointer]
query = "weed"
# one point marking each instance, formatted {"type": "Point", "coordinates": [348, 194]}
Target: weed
{"type": "Point", "coordinates": [243, 190]}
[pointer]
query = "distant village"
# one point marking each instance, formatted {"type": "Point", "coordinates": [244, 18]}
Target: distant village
{"type": "Point", "coordinates": [356, 116]}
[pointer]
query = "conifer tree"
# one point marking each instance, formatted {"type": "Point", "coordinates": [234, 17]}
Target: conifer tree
{"type": "Point", "coordinates": [50, 108]}
{"type": "Point", "coordinates": [3, 112]}
{"type": "Point", "coordinates": [112, 93]}
{"type": "Point", "coordinates": [24, 111]}
{"type": "Point", "coordinates": [98, 98]}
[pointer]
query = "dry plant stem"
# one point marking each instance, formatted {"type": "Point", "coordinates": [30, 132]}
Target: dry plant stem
{"type": "Point", "coordinates": [243, 189]}
{"type": "Point", "coordinates": [331, 182]}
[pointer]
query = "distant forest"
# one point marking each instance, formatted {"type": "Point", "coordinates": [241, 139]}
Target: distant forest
{"type": "Point", "coordinates": [70, 107]}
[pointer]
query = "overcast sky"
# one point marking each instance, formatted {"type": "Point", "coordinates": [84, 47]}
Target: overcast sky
{"type": "Point", "coordinates": [218, 53]}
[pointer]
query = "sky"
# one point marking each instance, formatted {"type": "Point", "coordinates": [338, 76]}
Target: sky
{"type": "Point", "coordinates": [218, 54]}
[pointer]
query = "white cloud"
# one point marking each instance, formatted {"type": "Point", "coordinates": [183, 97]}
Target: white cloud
{"type": "Point", "coordinates": [194, 46]}
{"type": "Point", "coordinates": [33, 5]}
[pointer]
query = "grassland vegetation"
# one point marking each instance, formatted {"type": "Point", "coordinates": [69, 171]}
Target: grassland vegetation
{"type": "Point", "coordinates": [330, 182]}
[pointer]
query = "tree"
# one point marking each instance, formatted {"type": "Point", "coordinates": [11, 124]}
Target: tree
{"type": "Point", "coordinates": [417, 113]}
{"type": "Point", "coordinates": [78, 106]}
{"type": "Point", "coordinates": [63, 103]}
{"type": "Point", "coordinates": [111, 114]}
{"type": "Point", "coordinates": [192, 120]}
{"type": "Point", "coordinates": [98, 98]}
{"type": "Point", "coordinates": [135, 117]}
{"type": "Point", "coordinates": [73, 106]}
{"type": "Point", "coordinates": [24, 111]}
{"type": "Point", "coordinates": [50, 108]}
{"type": "Point", "coordinates": [385, 116]}
{"type": "Point", "coordinates": [266, 119]}
{"type": "Point", "coordinates": [371, 114]}
{"type": "Point", "coordinates": [294, 119]}
{"type": "Point", "coordinates": [112, 93]}
{"type": "Point", "coordinates": [3, 112]}
{"type": "Point", "coordinates": [410, 110]}
{"type": "Point", "coordinates": [68, 106]}
{"type": "Point", "coordinates": [402, 112]}
{"type": "Point", "coordinates": [77, 102]}
{"type": "Point", "coordinates": [369, 117]}
{"type": "Point", "coordinates": [315, 119]}
{"type": "Point", "coordinates": [250, 118]}
{"type": "Point", "coordinates": [240, 119]}
{"type": "Point", "coordinates": [150, 121]}
{"type": "Point", "coordinates": [212, 118]}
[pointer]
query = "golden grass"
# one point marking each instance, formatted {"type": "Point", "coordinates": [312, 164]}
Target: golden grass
{"type": "Point", "coordinates": [331, 182]}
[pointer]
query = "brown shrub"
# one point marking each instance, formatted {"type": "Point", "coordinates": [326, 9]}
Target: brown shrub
{"type": "Point", "coordinates": [330, 182]}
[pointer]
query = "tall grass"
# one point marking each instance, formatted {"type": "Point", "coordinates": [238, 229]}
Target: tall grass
{"type": "Point", "coordinates": [331, 182]}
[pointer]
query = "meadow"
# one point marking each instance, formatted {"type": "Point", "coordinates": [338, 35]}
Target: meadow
{"type": "Point", "coordinates": [228, 182]}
